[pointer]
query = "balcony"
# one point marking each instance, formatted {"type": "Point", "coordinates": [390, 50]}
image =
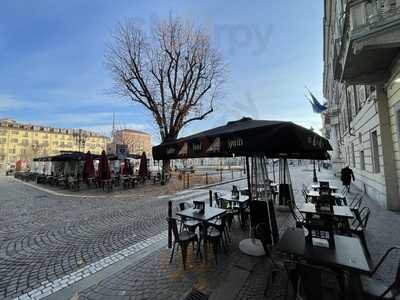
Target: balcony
{"type": "Point", "coordinates": [369, 41]}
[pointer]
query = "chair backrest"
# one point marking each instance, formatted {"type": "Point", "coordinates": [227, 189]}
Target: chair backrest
{"type": "Point", "coordinates": [199, 205]}
{"type": "Point", "coordinates": [217, 200]}
{"type": "Point", "coordinates": [395, 286]}
{"type": "Point", "coordinates": [324, 184]}
{"type": "Point", "coordinates": [322, 229]}
{"type": "Point", "coordinates": [311, 280]}
{"type": "Point", "coordinates": [356, 202]}
{"type": "Point", "coordinates": [325, 201]}
{"type": "Point", "coordinates": [182, 206]}
{"type": "Point", "coordinates": [174, 226]}
{"type": "Point", "coordinates": [364, 216]}
{"type": "Point", "coordinates": [223, 204]}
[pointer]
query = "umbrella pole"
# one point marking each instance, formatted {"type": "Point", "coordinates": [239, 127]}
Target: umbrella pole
{"type": "Point", "coordinates": [248, 177]}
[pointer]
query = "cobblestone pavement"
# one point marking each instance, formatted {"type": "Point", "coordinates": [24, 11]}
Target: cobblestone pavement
{"type": "Point", "coordinates": [44, 237]}
{"type": "Point", "coordinates": [155, 278]}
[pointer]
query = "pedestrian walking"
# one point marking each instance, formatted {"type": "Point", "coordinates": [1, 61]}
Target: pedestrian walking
{"type": "Point", "coordinates": [346, 176]}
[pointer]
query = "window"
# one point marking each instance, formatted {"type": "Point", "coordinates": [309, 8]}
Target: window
{"type": "Point", "coordinates": [362, 160]}
{"type": "Point", "coordinates": [353, 158]}
{"type": "Point", "coordinates": [375, 152]}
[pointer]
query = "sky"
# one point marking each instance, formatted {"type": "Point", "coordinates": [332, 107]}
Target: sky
{"type": "Point", "coordinates": [53, 73]}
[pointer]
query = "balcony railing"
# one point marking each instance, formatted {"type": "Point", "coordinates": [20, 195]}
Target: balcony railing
{"type": "Point", "coordinates": [372, 13]}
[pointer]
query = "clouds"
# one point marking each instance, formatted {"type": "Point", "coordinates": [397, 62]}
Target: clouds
{"type": "Point", "coordinates": [8, 103]}
{"type": "Point", "coordinates": [53, 54]}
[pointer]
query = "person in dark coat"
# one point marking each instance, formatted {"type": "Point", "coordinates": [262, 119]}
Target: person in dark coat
{"type": "Point", "coordinates": [347, 175]}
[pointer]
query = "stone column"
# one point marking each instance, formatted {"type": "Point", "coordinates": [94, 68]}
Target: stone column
{"type": "Point", "coordinates": [389, 168]}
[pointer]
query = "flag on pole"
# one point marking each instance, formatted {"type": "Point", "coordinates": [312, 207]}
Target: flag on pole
{"type": "Point", "coordinates": [315, 104]}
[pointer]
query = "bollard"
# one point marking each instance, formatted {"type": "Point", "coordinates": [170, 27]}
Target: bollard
{"type": "Point", "coordinates": [232, 173]}
{"type": "Point", "coordinates": [206, 178]}
{"type": "Point", "coordinates": [210, 195]}
{"type": "Point", "coordinates": [220, 175]}
{"type": "Point", "coordinates": [169, 224]}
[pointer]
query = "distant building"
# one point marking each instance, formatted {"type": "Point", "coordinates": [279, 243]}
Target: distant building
{"type": "Point", "coordinates": [137, 141]}
{"type": "Point", "coordinates": [362, 86]}
{"type": "Point", "coordinates": [23, 142]}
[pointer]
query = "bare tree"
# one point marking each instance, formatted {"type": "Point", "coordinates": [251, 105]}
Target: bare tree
{"type": "Point", "coordinates": [173, 71]}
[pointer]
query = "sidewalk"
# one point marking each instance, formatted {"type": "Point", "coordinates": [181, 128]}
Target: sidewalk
{"type": "Point", "coordinates": [154, 278]}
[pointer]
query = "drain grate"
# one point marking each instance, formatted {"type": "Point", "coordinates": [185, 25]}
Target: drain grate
{"type": "Point", "coordinates": [196, 295]}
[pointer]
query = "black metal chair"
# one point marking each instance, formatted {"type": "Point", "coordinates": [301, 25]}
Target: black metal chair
{"type": "Point", "coordinates": [297, 215]}
{"type": "Point", "coordinates": [304, 191]}
{"type": "Point", "coordinates": [309, 282]}
{"type": "Point", "coordinates": [199, 205]}
{"type": "Point", "coordinates": [325, 201]}
{"type": "Point", "coordinates": [359, 226]}
{"type": "Point", "coordinates": [376, 289]}
{"type": "Point", "coordinates": [189, 224]}
{"type": "Point", "coordinates": [321, 229]}
{"type": "Point", "coordinates": [183, 239]}
{"type": "Point", "coordinates": [356, 202]}
{"type": "Point", "coordinates": [217, 234]}
{"type": "Point", "coordinates": [263, 232]}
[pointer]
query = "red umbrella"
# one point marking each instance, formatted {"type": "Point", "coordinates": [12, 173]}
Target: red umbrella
{"type": "Point", "coordinates": [104, 168]}
{"type": "Point", "coordinates": [88, 167]}
{"type": "Point", "coordinates": [143, 172]}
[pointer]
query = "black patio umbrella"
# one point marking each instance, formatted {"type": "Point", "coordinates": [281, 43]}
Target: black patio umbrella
{"type": "Point", "coordinates": [247, 137]}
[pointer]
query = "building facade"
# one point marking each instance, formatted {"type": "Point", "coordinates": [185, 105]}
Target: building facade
{"type": "Point", "coordinates": [362, 88]}
{"type": "Point", "coordinates": [23, 142]}
{"type": "Point", "coordinates": [137, 141]}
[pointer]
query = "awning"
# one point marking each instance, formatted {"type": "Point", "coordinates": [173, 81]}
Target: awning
{"type": "Point", "coordinates": [247, 137]}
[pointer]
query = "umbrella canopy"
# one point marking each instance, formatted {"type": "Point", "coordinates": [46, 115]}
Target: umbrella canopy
{"type": "Point", "coordinates": [73, 156]}
{"type": "Point", "coordinates": [88, 167]}
{"type": "Point", "coordinates": [143, 171]}
{"type": "Point", "coordinates": [247, 137]}
{"type": "Point", "coordinates": [104, 168]}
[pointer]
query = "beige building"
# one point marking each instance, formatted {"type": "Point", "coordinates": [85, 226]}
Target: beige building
{"type": "Point", "coordinates": [25, 142]}
{"type": "Point", "coordinates": [137, 141]}
{"type": "Point", "coordinates": [362, 87]}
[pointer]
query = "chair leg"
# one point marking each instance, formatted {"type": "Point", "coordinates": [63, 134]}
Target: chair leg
{"type": "Point", "coordinates": [184, 254]}
{"type": "Point", "coordinates": [364, 242]}
{"type": "Point", "coordinates": [172, 254]}
{"type": "Point", "coordinates": [215, 249]}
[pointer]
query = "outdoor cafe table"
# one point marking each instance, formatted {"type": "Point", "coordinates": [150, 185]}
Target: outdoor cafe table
{"type": "Point", "coordinates": [204, 217]}
{"type": "Point", "coordinates": [315, 186]}
{"type": "Point", "coordinates": [348, 252]}
{"type": "Point", "coordinates": [315, 194]}
{"type": "Point", "coordinates": [347, 255]}
{"type": "Point", "coordinates": [338, 211]}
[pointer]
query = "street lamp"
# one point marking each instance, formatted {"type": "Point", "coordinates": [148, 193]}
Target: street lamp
{"type": "Point", "coordinates": [80, 138]}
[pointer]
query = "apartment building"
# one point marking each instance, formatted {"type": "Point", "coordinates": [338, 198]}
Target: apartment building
{"type": "Point", "coordinates": [362, 88]}
{"type": "Point", "coordinates": [23, 142]}
{"type": "Point", "coordinates": [137, 141]}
